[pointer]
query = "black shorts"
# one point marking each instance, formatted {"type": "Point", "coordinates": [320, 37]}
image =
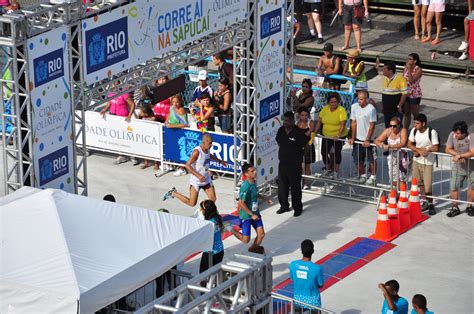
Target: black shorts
{"type": "Point", "coordinates": [414, 101]}
{"type": "Point", "coordinates": [362, 154]}
{"type": "Point", "coordinates": [313, 7]}
{"type": "Point", "coordinates": [348, 16]}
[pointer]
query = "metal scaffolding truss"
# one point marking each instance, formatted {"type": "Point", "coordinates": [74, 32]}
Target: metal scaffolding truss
{"type": "Point", "coordinates": [289, 52]}
{"type": "Point", "coordinates": [242, 285]}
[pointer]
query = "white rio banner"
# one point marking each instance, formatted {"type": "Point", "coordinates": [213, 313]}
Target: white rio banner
{"type": "Point", "coordinates": [49, 84]}
{"type": "Point", "coordinates": [113, 133]}
{"type": "Point", "coordinates": [142, 30]}
{"type": "Point", "coordinates": [270, 84]}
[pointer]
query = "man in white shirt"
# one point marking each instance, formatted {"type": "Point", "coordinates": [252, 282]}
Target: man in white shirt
{"type": "Point", "coordinates": [424, 141]}
{"type": "Point", "coordinates": [363, 119]}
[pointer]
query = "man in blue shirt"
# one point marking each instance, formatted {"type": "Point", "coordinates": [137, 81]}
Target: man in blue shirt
{"type": "Point", "coordinates": [307, 277]}
{"type": "Point", "coordinates": [393, 303]}
{"type": "Point", "coordinates": [419, 305]}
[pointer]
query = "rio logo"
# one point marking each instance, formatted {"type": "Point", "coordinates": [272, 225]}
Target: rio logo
{"type": "Point", "coordinates": [53, 166]}
{"type": "Point", "coordinates": [270, 23]}
{"type": "Point", "coordinates": [48, 67]}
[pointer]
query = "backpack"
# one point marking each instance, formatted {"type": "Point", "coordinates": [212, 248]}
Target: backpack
{"type": "Point", "coordinates": [430, 130]}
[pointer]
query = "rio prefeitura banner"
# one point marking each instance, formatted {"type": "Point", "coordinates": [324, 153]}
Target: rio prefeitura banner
{"type": "Point", "coordinates": [270, 85]}
{"type": "Point", "coordinates": [49, 84]}
{"type": "Point", "coordinates": [142, 30]}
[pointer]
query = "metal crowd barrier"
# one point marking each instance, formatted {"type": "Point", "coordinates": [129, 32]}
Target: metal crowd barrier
{"type": "Point", "coordinates": [347, 186]}
{"type": "Point", "coordinates": [285, 305]}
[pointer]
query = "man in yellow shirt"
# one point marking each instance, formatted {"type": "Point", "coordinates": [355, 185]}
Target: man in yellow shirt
{"type": "Point", "coordinates": [394, 93]}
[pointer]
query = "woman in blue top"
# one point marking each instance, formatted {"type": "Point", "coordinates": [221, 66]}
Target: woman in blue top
{"type": "Point", "coordinates": [209, 211]}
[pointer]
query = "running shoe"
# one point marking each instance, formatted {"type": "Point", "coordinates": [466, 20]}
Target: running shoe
{"type": "Point", "coordinates": [371, 180]}
{"type": "Point", "coordinates": [335, 175]}
{"type": "Point", "coordinates": [362, 179]}
{"type": "Point", "coordinates": [320, 40]}
{"type": "Point", "coordinates": [120, 160]}
{"type": "Point", "coordinates": [470, 211]}
{"type": "Point", "coordinates": [305, 187]}
{"type": "Point", "coordinates": [180, 172]}
{"type": "Point", "coordinates": [463, 46]}
{"type": "Point", "coordinates": [135, 161]}
{"type": "Point", "coordinates": [463, 56]}
{"type": "Point", "coordinates": [169, 194]}
{"type": "Point", "coordinates": [431, 210]}
{"type": "Point", "coordinates": [453, 212]}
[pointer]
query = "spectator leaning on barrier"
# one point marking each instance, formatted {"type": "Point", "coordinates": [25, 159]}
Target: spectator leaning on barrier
{"type": "Point", "coordinates": [419, 304]}
{"type": "Point", "coordinates": [332, 119]}
{"type": "Point", "coordinates": [304, 97]}
{"type": "Point", "coordinates": [354, 68]}
{"type": "Point", "coordinates": [122, 106]}
{"type": "Point", "coordinates": [329, 64]}
{"type": "Point", "coordinates": [412, 73]}
{"type": "Point", "coordinates": [393, 303]}
{"type": "Point", "coordinates": [424, 141]}
{"type": "Point", "coordinates": [223, 103]}
{"type": "Point", "coordinates": [307, 125]}
{"type": "Point", "coordinates": [392, 139]}
{"type": "Point", "coordinates": [203, 112]}
{"type": "Point", "coordinates": [177, 117]}
{"type": "Point", "coordinates": [363, 119]}
{"type": "Point", "coordinates": [203, 87]}
{"type": "Point", "coordinates": [394, 93]}
{"type": "Point", "coordinates": [307, 277]}
{"type": "Point", "coordinates": [225, 69]}
{"type": "Point", "coordinates": [291, 141]}
{"type": "Point", "coordinates": [461, 147]}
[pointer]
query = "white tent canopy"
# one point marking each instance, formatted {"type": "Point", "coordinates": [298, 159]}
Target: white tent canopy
{"type": "Point", "coordinates": [62, 252]}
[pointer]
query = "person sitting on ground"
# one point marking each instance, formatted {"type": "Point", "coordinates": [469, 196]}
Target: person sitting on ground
{"type": "Point", "coordinates": [363, 119]}
{"type": "Point", "coordinates": [419, 304]}
{"type": "Point", "coordinates": [392, 139]}
{"type": "Point", "coordinates": [162, 108]}
{"type": "Point", "coordinates": [309, 156]}
{"type": "Point", "coordinates": [198, 167]}
{"type": "Point", "coordinates": [307, 277]}
{"type": "Point", "coordinates": [122, 106]}
{"type": "Point", "coordinates": [329, 64]}
{"type": "Point", "coordinates": [435, 10]}
{"type": "Point", "coordinates": [412, 73]}
{"type": "Point", "coordinates": [223, 101]}
{"type": "Point", "coordinates": [424, 141]}
{"type": "Point", "coordinates": [393, 303]}
{"type": "Point", "coordinates": [333, 119]}
{"type": "Point", "coordinates": [203, 87]}
{"type": "Point", "coordinates": [461, 147]}
{"type": "Point", "coordinates": [304, 97]}
{"type": "Point", "coordinates": [226, 70]}
{"type": "Point", "coordinates": [249, 213]}
{"type": "Point", "coordinates": [354, 68]}
{"type": "Point", "coordinates": [465, 43]}
{"type": "Point", "coordinates": [203, 112]}
{"type": "Point", "coordinates": [209, 211]}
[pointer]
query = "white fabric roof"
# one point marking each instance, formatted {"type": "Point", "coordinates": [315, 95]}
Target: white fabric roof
{"type": "Point", "coordinates": [61, 251]}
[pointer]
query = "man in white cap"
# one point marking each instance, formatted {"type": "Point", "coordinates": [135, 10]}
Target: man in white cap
{"type": "Point", "coordinates": [202, 87]}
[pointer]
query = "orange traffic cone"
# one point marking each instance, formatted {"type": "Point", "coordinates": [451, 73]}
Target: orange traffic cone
{"type": "Point", "coordinates": [414, 204]}
{"type": "Point", "coordinates": [404, 212]}
{"type": "Point", "coordinates": [382, 229]}
{"type": "Point", "coordinates": [393, 213]}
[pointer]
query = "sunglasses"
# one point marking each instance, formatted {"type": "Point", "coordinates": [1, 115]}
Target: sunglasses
{"type": "Point", "coordinates": [394, 125]}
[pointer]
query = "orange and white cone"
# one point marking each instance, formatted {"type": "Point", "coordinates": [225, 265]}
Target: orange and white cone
{"type": "Point", "coordinates": [393, 213]}
{"type": "Point", "coordinates": [382, 229]}
{"type": "Point", "coordinates": [404, 212]}
{"type": "Point", "coordinates": [414, 204]}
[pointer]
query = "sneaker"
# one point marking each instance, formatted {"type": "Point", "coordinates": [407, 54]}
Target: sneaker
{"type": "Point", "coordinates": [463, 56]}
{"type": "Point", "coordinates": [320, 40]}
{"type": "Point", "coordinates": [463, 46]}
{"type": "Point", "coordinates": [253, 248]}
{"type": "Point", "coordinates": [305, 187]}
{"type": "Point", "coordinates": [135, 161]}
{"type": "Point", "coordinates": [180, 172]}
{"type": "Point", "coordinates": [371, 180]}
{"type": "Point", "coordinates": [310, 38]}
{"type": "Point", "coordinates": [282, 210]}
{"type": "Point", "coordinates": [335, 175]}
{"type": "Point", "coordinates": [326, 173]}
{"type": "Point", "coordinates": [362, 179]}
{"type": "Point", "coordinates": [297, 213]}
{"type": "Point", "coordinates": [431, 210]}
{"type": "Point", "coordinates": [470, 211]}
{"type": "Point", "coordinates": [425, 206]}
{"type": "Point", "coordinates": [453, 212]}
{"type": "Point", "coordinates": [227, 226]}
{"type": "Point", "coordinates": [167, 167]}
{"type": "Point", "coordinates": [169, 194]}
{"type": "Point", "coordinates": [120, 160]}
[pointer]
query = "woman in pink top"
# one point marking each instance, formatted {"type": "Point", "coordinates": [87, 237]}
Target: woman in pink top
{"type": "Point", "coordinates": [162, 109]}
{"type": "Point", "coordinates": [122, 106]}
{"type": "Point", "coordinates": [412, 73]}
{"type": "Point", "coordinates": [8, 5]}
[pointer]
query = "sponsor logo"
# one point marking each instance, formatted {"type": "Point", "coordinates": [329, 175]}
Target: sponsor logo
{"type": "Point", "coordinates": [270, 107]}
{"type": "Point", "coordinates": [301, 274]}
{"type": "Point", "coordinates": [270, 23]}
{"type": "Point", "coordinates": [48, 67]}
{"type": "Point", "coordinates": [106, 45]}
{"type": "Point", "coordinates": [53, 166]}
{"type": "Point", "coordinates": [187, 144]}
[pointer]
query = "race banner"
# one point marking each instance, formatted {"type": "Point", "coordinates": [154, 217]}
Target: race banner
{"type": "Point", "coordinates": [270, 81]}
{"type": "Point", "coordinates": [180, 143]}
{"type": "Point", "coordinates": [49, 85]}
{"type": "Point", "coordinates": [142, 30]}
{"type": "Point", "coordinates": [114, 134]}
